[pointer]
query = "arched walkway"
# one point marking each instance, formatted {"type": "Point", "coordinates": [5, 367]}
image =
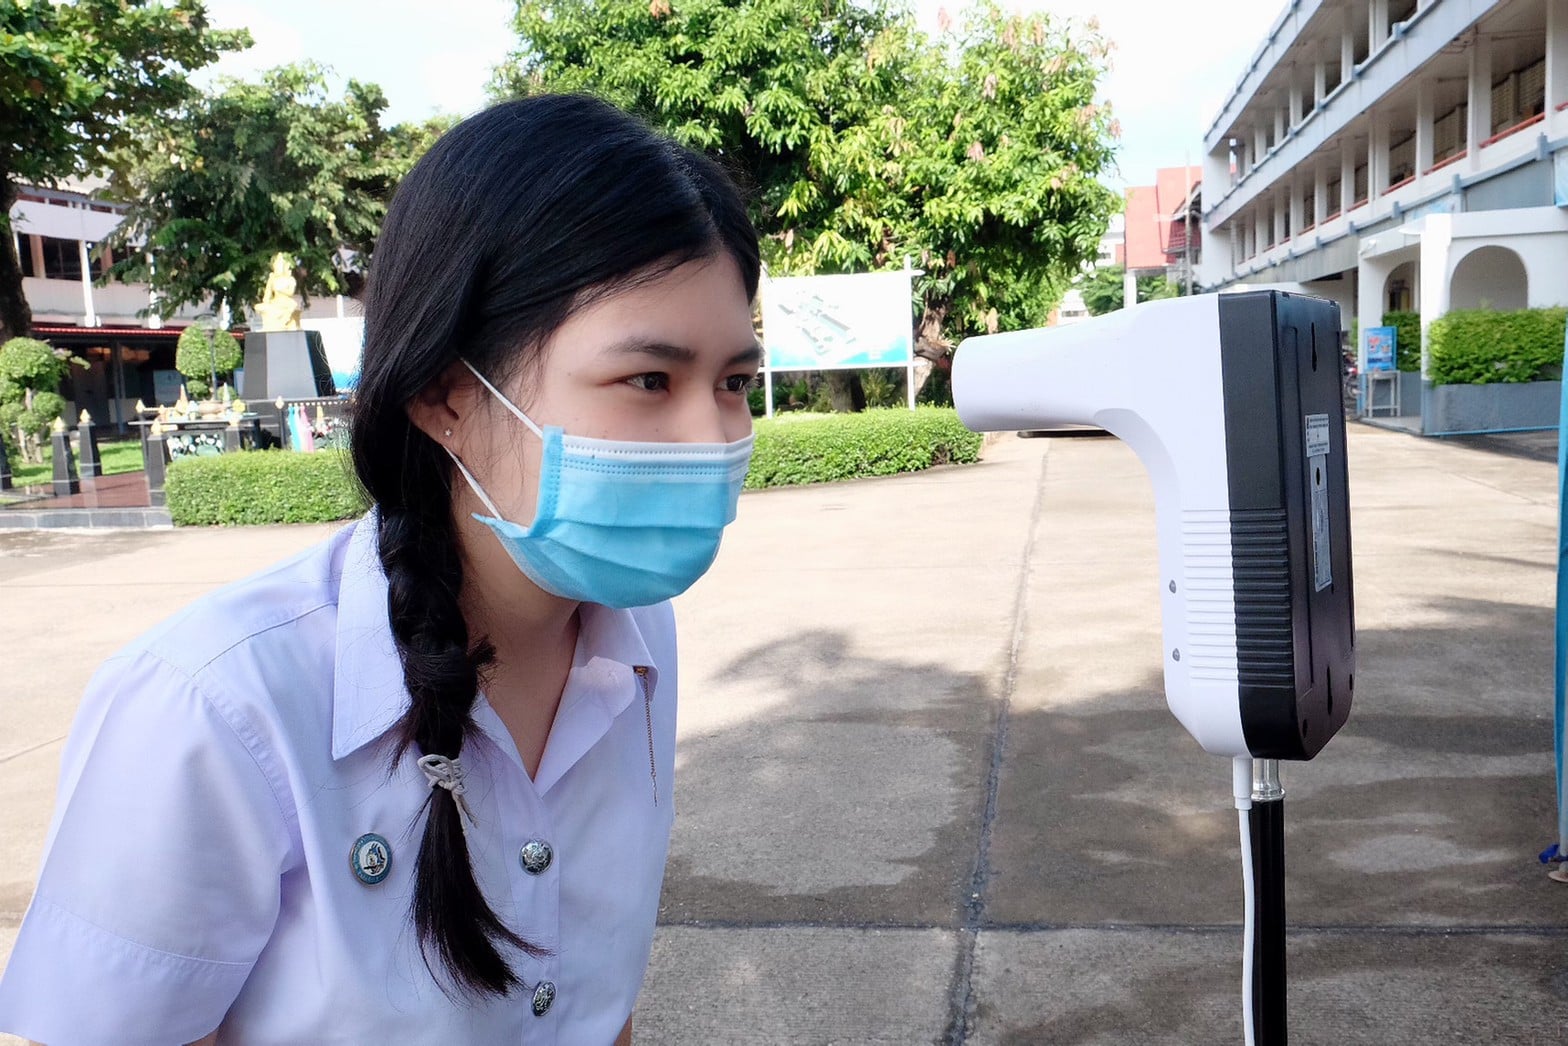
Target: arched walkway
{"type": "Point", "coordinates": [1489, 278]}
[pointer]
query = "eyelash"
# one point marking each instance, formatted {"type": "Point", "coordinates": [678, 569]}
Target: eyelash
{"type": "Point", "coordinates": [748, 382]}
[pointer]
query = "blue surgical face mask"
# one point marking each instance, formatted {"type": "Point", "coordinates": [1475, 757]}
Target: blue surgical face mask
{"type": "Point", "coordinates": [619, 523]}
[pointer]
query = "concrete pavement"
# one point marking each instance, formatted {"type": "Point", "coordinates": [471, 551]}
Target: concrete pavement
{"type": "Point", "coordinates": [928, 790]}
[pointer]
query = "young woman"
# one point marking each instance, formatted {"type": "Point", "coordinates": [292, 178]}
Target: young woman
{"type": "Point", "coordinates": [414, 786]}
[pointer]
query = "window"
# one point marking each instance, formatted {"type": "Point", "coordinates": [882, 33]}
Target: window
{"type": "Point", "coordinates": [1519, 95]}
{"type": "Point", "coordinates": [1449, 133]}
{"type": "Point", "coordinates": [61, 257]}
{"type": "Point", "coordinates": [1402, 159]}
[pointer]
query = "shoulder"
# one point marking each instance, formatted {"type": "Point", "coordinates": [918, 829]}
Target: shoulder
{"type": "Point", "coordinates": [268, 607]}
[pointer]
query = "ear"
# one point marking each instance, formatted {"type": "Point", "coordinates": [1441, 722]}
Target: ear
{"type": "Point", "coordinates": [443, 408]}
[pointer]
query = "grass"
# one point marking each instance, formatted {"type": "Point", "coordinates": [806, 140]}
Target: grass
{"type": "Point", "coordinates": [116, 457]}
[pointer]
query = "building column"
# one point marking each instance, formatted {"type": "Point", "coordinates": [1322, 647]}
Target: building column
{"type": "Point", "coordinates": [1319, 83]}
{"type": "Point", "coordinates": [1297, 100]}
{"type": "Point", "coordinates": [1347, 46]}
{"type": "Point", "coordinates": [35, 247]}
{"type": "Point", "coordinates": [1437, 236]}
{"type": "Point", "coordinates": [1260, 144]}
{"type": "Point", "coordinates": [1320, 202]}
{"type": "Point", "coordinates": [1280, 123]}
{"type": "Point", "coordinates": [1298, 205]}
{"type": "Point", "coordinates": [1260, 228]}
{"type": "Point", "coordinates": [1479, 127]}
{"type": "Point", "coordinates": [1556, 56]}
{"type": "Point", "coordinates": [1216, 178]}
{"type": "Point", "coordinates": [1426, 120]}
{"type": "Point", "coordinates": [90, 317]}
{"type": "Point", "coordinates": [1347, 176]}
{"type": "Point", "coordinates": [1129, 288]}
{"type": "Point", "coordinates": [1377, 156]}
{"type": "Point", "coordinates": [1281, 214]}
{"type": "Point", "coordinates": [1377, 25]}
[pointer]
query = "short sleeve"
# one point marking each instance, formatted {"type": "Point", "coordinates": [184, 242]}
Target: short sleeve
{"type": "Point", "coordinates": [161, 878]}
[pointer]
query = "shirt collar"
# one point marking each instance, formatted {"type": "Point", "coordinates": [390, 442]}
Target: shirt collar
{"type": "Point", "coordinates": [368, 695]}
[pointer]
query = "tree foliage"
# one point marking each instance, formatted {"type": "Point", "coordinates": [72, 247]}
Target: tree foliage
{"type": "Point", "coordinates": [202, 352]}
{"type": "Point", "coordinates": [30, 377]}
{"type": "Point", "coordinates": [1103, 292]}
{"type": "Point", "coordinates": [71, 76]}
{"type": "Point", "coordinates": [258, 169]}
{"type": "Point", "coordinates": [976, 154]}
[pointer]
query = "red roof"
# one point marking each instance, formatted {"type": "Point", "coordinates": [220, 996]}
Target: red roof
{"type": "Point", "coordinates": [1154, 217]}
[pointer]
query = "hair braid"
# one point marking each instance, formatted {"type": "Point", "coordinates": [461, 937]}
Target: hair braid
{"type": "Point", "coordinates": [424, 570]}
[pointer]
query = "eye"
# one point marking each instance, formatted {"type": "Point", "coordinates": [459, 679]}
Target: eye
{"type": "Point", "coordinates": [652, 382]}
{"type": "Point", "coordinates": [740, 384]}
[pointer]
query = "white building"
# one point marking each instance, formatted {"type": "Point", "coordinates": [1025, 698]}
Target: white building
{"type": "Point", "coordinates": [57, 235]}
{"type": "Point", "coordinates": [1397, 155]}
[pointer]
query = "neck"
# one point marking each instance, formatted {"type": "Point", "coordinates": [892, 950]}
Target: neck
{"type": "Point", "coordinates": [529, 627]}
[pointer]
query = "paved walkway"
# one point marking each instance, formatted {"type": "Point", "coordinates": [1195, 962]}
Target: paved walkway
{"type": "Point", "coordinates": [929, 791]}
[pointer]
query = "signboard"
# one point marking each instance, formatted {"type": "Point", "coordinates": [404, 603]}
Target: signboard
{"type": "Point", "coordinates": [838, 322]}
{"type": "Point", "coordinates": [1381, 346]}
{"type": "Point", "coordinates": [344, 340]}
{"type": "Point", "coordinates": [166, 386]}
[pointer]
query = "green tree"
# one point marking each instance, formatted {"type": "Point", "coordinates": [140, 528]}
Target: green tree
{"type": "Point", "coordinates": [30, 376]}
{"type": "Point", "coordinates": [976, 155]}
{"type": "Point", "coordinates": [1103, 292]}
{"type": "Point", "coordinates": [203, 355]}
{"type": "Point", "coordinates": [71, 76]}
{"type": "Point", "coordinates": [258, 169]}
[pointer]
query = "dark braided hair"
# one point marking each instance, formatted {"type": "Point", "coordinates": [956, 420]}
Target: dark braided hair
{"type": "Point", "coordinates": [515, 218]}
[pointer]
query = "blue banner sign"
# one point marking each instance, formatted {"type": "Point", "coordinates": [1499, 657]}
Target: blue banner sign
{"type": "Point", "coordinates": [1381, 345]}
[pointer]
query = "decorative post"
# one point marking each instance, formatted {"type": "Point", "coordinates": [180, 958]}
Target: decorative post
{"type": "Point", "coordinates": [91, 466]}
{"type": "Point", "coordinates": [5, 465]}
{"type": "Point", "coordinates": [156, 460]}
{"type": "Point", "coordinates": [283, 424]}
{"type": "Point", "coordinates": [65, 479]}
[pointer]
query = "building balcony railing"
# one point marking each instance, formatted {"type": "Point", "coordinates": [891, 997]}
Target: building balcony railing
{"type": "Point", "coordinates": [1406, 180]}
{"type": "Point", "coordinates": [1445, 161]}
{"type": "Point", "coordinates": [1515, 129]}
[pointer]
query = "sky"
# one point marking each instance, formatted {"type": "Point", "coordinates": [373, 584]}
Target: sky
{"type": "Point", "coordinates": [1166, 84]}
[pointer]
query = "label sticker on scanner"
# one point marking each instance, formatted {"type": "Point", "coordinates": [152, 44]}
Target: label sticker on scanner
{"type": "Point", "coordinates": [1317, 483]}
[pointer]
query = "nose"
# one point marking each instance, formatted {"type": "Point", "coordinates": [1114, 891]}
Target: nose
{"type": "Point", "coordinates": [703, 420]}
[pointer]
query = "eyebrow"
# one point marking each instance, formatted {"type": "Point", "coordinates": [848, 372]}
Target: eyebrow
{"type": "Point", "coordinates": [678, 353]}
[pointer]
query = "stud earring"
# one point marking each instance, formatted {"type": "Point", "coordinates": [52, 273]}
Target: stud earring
{"type": "Point", "coordinates": [447, 433]}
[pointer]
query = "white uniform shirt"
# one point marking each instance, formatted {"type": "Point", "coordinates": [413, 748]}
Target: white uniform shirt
{"type": "Point", "coordinates": [219, 773]}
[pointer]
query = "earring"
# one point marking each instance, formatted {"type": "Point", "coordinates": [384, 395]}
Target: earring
{"type": "Point", "coordinates": [447, 433]}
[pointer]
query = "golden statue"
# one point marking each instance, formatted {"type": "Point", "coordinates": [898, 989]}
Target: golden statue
{"type": "Point", "coordinates": [278, 309]}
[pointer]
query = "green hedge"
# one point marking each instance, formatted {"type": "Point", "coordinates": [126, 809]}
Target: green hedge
{"type": "Point", "coordinates": [1479, 346]}
{"type": "Point", "coordinates": [276, 486]}
{"type": "Point", "coordinates": [1407, 344]}
{"type": "Point", "coordinates": [819, 448]}
{"type": "Point", "coordinates": [268, 486]}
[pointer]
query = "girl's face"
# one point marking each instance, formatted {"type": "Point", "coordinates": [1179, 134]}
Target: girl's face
{"type": "Point", "coordinates": [666, 361]}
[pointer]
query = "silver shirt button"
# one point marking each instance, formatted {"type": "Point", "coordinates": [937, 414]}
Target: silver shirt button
{"type": "Point", "coordinates": [535, 856]}
{"type": "Point", "coordinates": [544, 998]}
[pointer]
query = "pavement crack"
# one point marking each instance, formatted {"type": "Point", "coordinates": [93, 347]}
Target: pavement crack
{"type": "Point", "coordinates": [961, 997]}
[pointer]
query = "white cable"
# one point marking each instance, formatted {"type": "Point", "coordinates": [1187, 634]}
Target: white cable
{"type": "Point", "coordinates": [1241, 789]}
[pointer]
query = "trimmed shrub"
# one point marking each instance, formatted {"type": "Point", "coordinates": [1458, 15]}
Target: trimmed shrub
{"type": "Point", "coordinates": [820, 448]}
{"type": "Point", "coordinates": [1480, 347]}
{"type": "Point", "coordinates": [265, 486]}
{"type": "Point", "coordinates": [200, 351]}
{"type": "Point", "coordinates": [1407, 344]}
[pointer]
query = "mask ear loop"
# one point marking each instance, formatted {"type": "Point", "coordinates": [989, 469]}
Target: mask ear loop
{"type": "Point", "coordinates": [506, 402]}
{"type": "Point", "coordinates": [474, 483]}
